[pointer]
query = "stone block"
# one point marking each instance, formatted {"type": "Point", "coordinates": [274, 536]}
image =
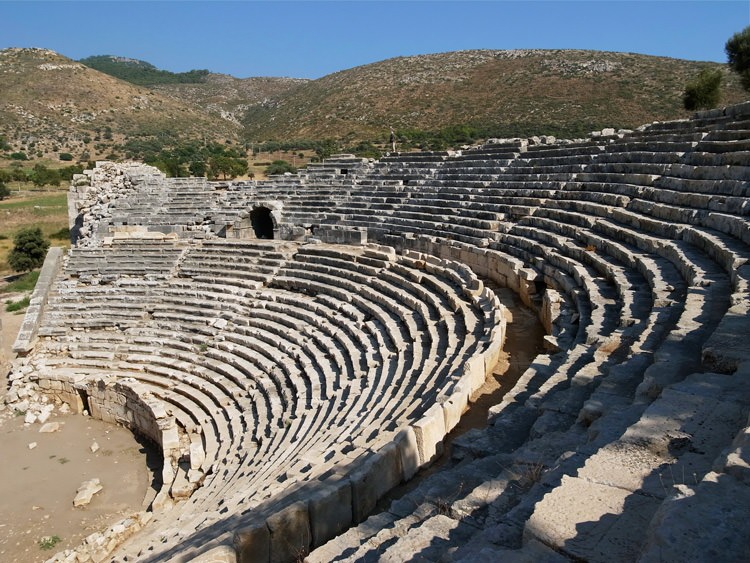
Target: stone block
{"type": "Point", "coordinates": [430, 431]}
{"type": "Point", "coordinates": [406, 442]}
{"type": "Point", "coordinates": [290, 533]}
{"type": "Point", "coordinates": [253, 544]}
{"type": "Point", "coordinates": [330, 511]}
{"type": "Point", "coordinates": [454, 407]}
{"type": "Point", "coordinates": [474, 372]}
{"type": "Point", "coordinates": [379, 474]}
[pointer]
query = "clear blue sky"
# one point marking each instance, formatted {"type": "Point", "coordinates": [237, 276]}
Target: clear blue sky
{"type": "Point", "coordinates": [311, 39]}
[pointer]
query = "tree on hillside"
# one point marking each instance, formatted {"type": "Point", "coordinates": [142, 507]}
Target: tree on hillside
{"type": "Point", "coordinates": [4, 190]}
{"type": "Point", "coordinates": [280, 167]}
{"type": "Point", "coordinates": [738, 55]}
{"type": "Point", "coordinates": [704, 91]}
{"type": "Point", "coordinates": [29, 250]}
{"type": "Point", "coordinates": [227, 166]}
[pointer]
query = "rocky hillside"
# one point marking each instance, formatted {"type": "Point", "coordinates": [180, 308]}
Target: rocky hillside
{"type": "Point", "coordinates": [51, 103]}
{"type": "Point", "coordinates": [522, 92]}
{"type": "Point", "coordinates": [231, 97]}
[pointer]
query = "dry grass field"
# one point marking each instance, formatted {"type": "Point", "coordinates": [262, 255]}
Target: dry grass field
{"type": "Point", "coordinates": [45, 209]}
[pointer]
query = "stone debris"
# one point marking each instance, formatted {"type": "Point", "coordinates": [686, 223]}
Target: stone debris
{"type": "Point", "coordinates": [86, 491]}
{"type": "Point", "coordinates": [32, 445]}
{"type": "Point", "coordinates": [49, 427]}
{"type": "Point", "coordinates": [94, 447]}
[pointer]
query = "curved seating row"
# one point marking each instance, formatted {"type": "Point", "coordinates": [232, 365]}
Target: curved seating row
{"type": "Point", "coordinates": [276, 370]}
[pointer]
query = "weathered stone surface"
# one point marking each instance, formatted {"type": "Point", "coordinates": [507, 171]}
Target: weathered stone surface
{"type": "Point", "coordinates": [253, 544]}
{"type": "Point", "coordinates": [591, 521]}
{"type": "Point", "coordinates": [704, 523]}
{"type": "Point", "coordinates": [86, 491]}
{"type": "Point", "coordinates": [330, 511]}
{"type": "Point", "coordinates": [290, 533]}
{"type": "Point", "coordinates": [49, 427]}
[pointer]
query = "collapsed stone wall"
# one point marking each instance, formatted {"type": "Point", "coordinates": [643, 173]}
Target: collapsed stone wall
{"type": "Point", "coordinates": [93, 193]}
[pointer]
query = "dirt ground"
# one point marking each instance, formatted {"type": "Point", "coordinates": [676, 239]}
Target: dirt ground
{"type": "Point", "coordinates": [37, 486]}
{"type": "Point", "coordinates": [523, 342]}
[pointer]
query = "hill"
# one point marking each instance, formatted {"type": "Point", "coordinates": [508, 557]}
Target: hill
{"type": "Point", "coordinates": [53, 104]}
{"type": "Point", "coordinates": [507, 93]}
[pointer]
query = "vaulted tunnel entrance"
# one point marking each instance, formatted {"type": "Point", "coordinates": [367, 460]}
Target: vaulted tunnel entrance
{"type": "Point", "coordinates": [262, 222]}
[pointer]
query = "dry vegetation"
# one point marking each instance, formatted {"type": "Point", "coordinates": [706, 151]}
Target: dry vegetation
{"type": "Point", "coordinates": [566, 93]}
{"type": "Point", "coordinates": [52, 104]}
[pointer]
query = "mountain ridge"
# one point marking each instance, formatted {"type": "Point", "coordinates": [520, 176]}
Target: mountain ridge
{"type": "Point", "coordinates": [58, 103]}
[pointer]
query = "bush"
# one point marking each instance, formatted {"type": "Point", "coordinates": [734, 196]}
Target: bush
{"type": "Point", "coordinates": [65, 156]}
{"type": "Point", "coordinates": [29, 250]}
{"type": "Point", "coordinates": [19, 156]}
{"type": "Point", "coordinates": [703, 92]}
{"type": "Point", "coordinates": [4, 191]}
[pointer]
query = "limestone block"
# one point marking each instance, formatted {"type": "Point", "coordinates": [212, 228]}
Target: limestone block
{"type": "Point", "coordinates": [406, 442]}
{"type": "Point", "coordinates": [454, 407]}
{"type": "Point", "coordinates": [253, 544]}
{"type": "Point", "coordinates": [430, 431]}
{"type": "Point", "coordinates": [474, 372]}
{"type": "Point", "coordinates": [590, 521]}
{"type": "Point", "coordinates": [49, 427]}
{"type": "Point", "coordinates": [707, 523]}
{"type": "Point", "coordinates": [728, 346]}
{"type": "Point", "coordinates": [197, 455]}
{"type": "Point", "coordinates": [379, 474]}
{"type": "Point", "coordinates": [290, 533]}
{"type": "Point", "coordinates": [86, 491]}
{"type": "Point", "coordinates": [220, 554]}
{"type": "Point", "coordinates": [330, 512]}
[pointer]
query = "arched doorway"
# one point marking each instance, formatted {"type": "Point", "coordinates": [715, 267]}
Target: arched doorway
{"type": "Point", "coordinates": [262, 222]}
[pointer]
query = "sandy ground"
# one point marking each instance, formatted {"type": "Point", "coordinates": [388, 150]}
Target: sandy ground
{"type": "Point", "coordinates": [37, 486]}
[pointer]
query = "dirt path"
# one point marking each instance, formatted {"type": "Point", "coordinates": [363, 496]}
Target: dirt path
{"type": "Point", "coordinates": [37, 486]}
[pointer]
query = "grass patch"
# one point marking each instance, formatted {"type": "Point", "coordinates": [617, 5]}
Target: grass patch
{"type": "Point", "coordinates": [48, 542]}
{"type": "Point", "coordinates": [26, 282]}
{"type": "Point", "coordinates": [14, 306]}
{"type": "Point", "coordinates": [62, 234]}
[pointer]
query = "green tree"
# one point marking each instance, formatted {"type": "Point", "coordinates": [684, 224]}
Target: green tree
{"type": "Point", "coordinates": [738, 55]}
{"type": "Point", "coordinates": [280, 167]}
{"type": "Point", "coordinates": [29, 250]}
{"type": "Point", "coordinates": [4, 191]}
{"type": "Point", "coordinates": [197, 168]}
{"type": "Point", "coordinates": [704, 91]}
{"type": "Point", "coordinates": [43, 176]}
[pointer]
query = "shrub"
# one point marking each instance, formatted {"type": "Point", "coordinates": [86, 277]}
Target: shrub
{"type": "Point", "coordinates": [19, 156]}
{"type": "Point", "coordinates": [703, 92]}
{"type": "Point", "coordinates": [65, 156]}
{"type": "Point", "coordinates": [280, 167]}
{"type": "Point", "coordinates": [29, 250]}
